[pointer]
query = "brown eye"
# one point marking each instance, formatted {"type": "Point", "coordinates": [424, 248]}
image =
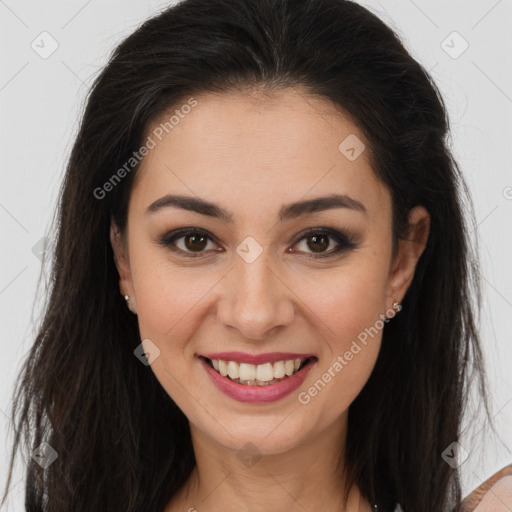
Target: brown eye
{"type": "Point", "coordinates": [318, 242]}
{"type": "Point", "coordinates": [188, 242]}
{"type": "Point", "coordinates": [195, 242]}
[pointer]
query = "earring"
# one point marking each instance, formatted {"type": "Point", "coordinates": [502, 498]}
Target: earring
{"type": "Point", "coordinates": [397, 306]}
{"type": "Point", "coordinates": [131, 306]}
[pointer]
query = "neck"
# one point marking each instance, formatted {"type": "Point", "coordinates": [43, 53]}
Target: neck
{"type": "Point", "coordinates": [308, 477]}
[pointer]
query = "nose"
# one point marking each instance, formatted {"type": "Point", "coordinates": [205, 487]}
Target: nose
{"type": "Point", "coordinates": [257, 302]}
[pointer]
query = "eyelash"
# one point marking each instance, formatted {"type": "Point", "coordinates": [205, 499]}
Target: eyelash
{"type": "Point", "coordinates": [346, 242]}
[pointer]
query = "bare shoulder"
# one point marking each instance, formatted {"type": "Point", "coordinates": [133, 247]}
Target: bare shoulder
{"type": "Point", "coordinates": [494, 495]}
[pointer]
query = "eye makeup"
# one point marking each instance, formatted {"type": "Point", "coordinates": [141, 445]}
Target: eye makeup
{"type": "Point", "coordinates": [172, 241]}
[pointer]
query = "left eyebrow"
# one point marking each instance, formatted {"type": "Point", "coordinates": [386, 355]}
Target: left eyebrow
{"type": "Point", "coordinates": [318, 204]}
{"type": "Point", "coordinates": [287, 212]}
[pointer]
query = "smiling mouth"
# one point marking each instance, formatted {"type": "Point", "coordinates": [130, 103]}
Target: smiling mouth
{"type": "Point", "coordinates": [258, 375]}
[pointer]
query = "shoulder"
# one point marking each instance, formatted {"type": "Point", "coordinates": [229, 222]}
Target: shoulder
{"type": "Point", "coordinates": [494, 495]}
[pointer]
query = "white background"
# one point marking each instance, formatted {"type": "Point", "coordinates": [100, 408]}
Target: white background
{"type": "Point", "coordinates": [41, 102]}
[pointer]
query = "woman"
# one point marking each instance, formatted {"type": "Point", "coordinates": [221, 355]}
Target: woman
{"type": "Point", "coordinates": [262, 287]}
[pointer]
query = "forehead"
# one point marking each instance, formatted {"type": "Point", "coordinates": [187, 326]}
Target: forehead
{"type": "Point", "coordinates": [258, 151]}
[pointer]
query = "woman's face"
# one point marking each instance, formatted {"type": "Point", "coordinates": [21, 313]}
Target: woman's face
{"type": "Point", "coordinates": [259, 283]}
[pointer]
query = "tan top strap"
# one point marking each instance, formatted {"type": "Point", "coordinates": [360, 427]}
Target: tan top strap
{"type": "Point", "coordinates": [471, 502]}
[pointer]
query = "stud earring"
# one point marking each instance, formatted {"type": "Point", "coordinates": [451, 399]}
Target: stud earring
{"type": "Point", "coordinates": [397, 306]}
{"type": "Point", "coordinates": [131, 306]}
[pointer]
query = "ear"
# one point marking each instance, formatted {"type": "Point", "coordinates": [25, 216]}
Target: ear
{"type": "Point", "coordinates": [408, 254]}
{"type": "Point", "coordinates": [119, 247]}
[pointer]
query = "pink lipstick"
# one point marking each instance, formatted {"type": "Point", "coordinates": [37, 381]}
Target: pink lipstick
{"type": "Point", "coordinates": [264, 392]}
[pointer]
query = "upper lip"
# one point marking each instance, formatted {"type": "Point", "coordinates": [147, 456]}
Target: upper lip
{"type": "Point", "coordinates": [241, 357]}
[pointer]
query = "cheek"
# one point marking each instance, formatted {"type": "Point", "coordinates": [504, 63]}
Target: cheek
{"type": "Point", "coordinates": [346, 308]}
{"type": "Point", "coordinates": [344, 301]}
{"type": "Point", "coordinates": [168, 305]}
{"type": "Point", "coordinates": [168, 297]}
{"type": "Point", "coordinates": [357, 306]}
{"type": "Point", "coordinates": [168, 311]}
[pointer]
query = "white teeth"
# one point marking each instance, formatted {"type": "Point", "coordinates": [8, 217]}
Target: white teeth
{"type": "Point", "coordinates": [264, 372]}
{"type": "Point", "coordinates": [233, 370]}
{"type": "Point", "coordinates": [289, 367]}
{"type": "Point", "coordinates": [279, 372]}
{"type": "Point", "coordinates": [223, 367]}
{"type": "Point", "coordinates": [253, 374]}
{"type": "Point", "coordinates": [247, 371]}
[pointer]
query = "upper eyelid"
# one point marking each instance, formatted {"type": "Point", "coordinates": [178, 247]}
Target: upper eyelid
{"type": "Point", "coordinates": [332, 232]}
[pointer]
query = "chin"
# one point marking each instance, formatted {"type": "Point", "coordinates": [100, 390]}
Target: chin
{"type": "Point", "coordinates": [271, 436]}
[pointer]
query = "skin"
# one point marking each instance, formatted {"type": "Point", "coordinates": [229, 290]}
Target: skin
{"type": "Point", "coordinates": [251, 154]}
{"type": "Point", "coordinates": [494, 495]}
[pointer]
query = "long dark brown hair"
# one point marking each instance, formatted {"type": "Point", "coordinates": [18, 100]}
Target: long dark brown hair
{"type": "Point", "coordinates": [122, 443]}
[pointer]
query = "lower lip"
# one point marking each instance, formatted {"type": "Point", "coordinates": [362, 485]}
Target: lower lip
{"type": "Point", "coordinates": [257, 394]}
